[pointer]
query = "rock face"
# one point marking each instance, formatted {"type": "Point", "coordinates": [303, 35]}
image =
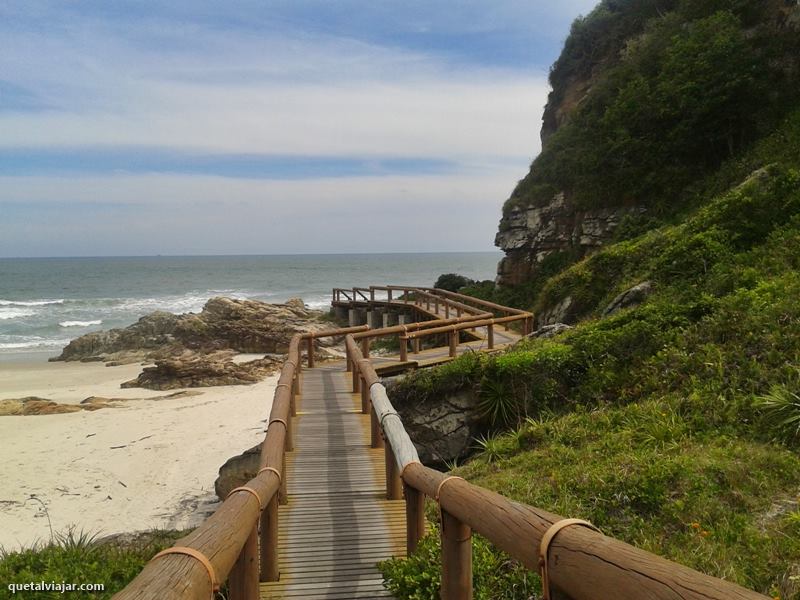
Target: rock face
{"type": "Point", "coordinates": [201, 370]}
{"type": "Point", "coordinates": [528, 235]}
{"type": "Point", "coordinates": [223, 324]}
{"type": "Point", "coordinates": [237, 471]}
{"type": "Point", "coordinates": [442, 430]}
{"type": "Point", "coordinates": [549, 331]}
{"type": "Point", "coordinates": [629, 298]}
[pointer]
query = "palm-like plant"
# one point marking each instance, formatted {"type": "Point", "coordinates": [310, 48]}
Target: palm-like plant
{"type": "Point", "coordinates": [781, 409]}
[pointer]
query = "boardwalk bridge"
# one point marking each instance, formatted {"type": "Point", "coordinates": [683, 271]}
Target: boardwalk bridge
{"type": "Point", "coordinates": [341, 486]}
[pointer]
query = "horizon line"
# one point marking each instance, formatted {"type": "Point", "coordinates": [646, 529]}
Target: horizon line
{"type": "Point", "coordinates": [233, 255]}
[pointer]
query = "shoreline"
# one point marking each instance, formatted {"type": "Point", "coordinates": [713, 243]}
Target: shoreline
{"type": "Point", "coordinates": [144, 464]}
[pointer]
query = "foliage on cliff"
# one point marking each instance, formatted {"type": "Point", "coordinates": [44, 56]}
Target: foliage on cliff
{"type": "Point", "coordinates": [673, 88]}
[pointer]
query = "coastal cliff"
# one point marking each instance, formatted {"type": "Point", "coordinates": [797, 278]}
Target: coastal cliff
{"type": "Point", "coordinates": [648, 99]}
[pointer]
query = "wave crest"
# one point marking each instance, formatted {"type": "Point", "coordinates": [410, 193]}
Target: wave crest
{"type": "Point", "coordinates": [30, 302]}
{"type": "Point", "coordinates": [80, 323]}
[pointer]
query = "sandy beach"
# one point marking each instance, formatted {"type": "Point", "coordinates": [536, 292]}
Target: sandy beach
{"type": "Point", "coordinates": [150, 463]}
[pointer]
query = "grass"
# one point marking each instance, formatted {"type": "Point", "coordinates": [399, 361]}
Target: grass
{"type": "Point", "coordinates": [79, 557]}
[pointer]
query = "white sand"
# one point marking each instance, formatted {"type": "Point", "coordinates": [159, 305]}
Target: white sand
{"type": "Point", "coordinates": [163, 474]}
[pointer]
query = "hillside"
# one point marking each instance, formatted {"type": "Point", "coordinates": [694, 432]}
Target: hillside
{"type": "Point", "coordinates": [650, 98]}
{"type": "Point", "coordinates": [670, 419]}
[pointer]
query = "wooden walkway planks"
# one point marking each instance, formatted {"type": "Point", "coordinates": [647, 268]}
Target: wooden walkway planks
{"type": "Point", "coordinates": [337, 523]}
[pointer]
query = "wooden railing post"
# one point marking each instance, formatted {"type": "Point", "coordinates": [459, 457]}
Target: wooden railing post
{"type": "Point", "coordinates": [403, 348]}
{"type": "Point", "coordinates": [415, 518]}
{"type": "Point", "coordinates": [364, 397]}
{"type": "Point", "coordinates": [456, 559]}
{"type": "Point", "coordinates": [376, 436]}
{"type": "Point", "coordinates": [394, 485]}
{"type": "Point", "coordinates": [288, 442]}
{"type": "Point", "coordinates": [453, 342]}
{"type": "Point", "coordinates": [283, 496]}
{"type": "Point", "coordinates": [365, 347]}
{"type": "Point", "coordinates": [416, 345]}
{"type": "Point", "coordinates": [356, 379]}
{"type": "Point", "coordinates": [310, 341]}
{"type": "Point", "coordinates": [270, 569]}
{"type": "Point", "coordinates": [490, 336]}
{"type": "Point", "coordinates": [446, 310]}
{"type": "Point", "coordinates": [243, 579]}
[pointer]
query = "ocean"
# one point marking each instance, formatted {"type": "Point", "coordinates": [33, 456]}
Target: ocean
{"type": "Point", "coordinates": [46, 302]}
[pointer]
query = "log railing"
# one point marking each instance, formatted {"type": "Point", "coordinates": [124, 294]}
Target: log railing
{"type": "Point", "coordinates": [582, 564]}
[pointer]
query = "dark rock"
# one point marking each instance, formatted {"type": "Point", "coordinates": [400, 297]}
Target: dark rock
{"type": "Point", "coordinates": [549, 331]}
{"type": "Point", "coordinates": [442, 430]}
{"type": "Point", "coordinates": [196, 370]}
{"type": "Point", "coordinates": [237, 471]}
{"type": "Point", "coordinates": [629, 298]}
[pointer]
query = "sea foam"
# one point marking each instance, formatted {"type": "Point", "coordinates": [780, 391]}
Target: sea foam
{"type": "Point", "coordinates": [14, 313]}
{"type": "Point", "coordinates": [30, 302]}
{"type": "Point", "coordinates": [80, 323]}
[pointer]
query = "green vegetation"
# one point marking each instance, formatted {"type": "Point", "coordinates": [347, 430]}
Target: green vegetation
{"type": "Point", "coordinates": [673, 425]}
{"type": "Point", "coordinates": [77, 557]}
{"type": "Point", "coordinates": [452, 282]}
{"type": "Point", "coordinates": [494, 575]}
{"type": "Point", "coordinates": [677, 88]}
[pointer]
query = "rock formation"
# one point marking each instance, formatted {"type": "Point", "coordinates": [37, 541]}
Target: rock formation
{"type": "Point", "coordinates": [224, 324]}
{"type": "Point", "coordinates": [529, 234]}
{"type": "Point", "coordinates": [629, 298]}
{"type": "Point", "coordinates": [203, 370]}
{"type": "Point", "coordinates": [33, 405]}
{"type": "Point", "coordinates": [237, 471]}
{"type": "Point", "coordinates": [442, 429]}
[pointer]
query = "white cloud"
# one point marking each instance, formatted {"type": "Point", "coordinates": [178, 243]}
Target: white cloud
{"type": "Point", "coordinates": [423, 118]}
{"type": "Point", "coordinates": [173, 214]}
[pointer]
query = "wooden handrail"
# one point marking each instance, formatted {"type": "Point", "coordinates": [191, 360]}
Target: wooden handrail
{"type": "Point", "coordinates": [584, 564]}
{"type": "Point", "coordinates": [479, 301]}
{"type": "Point", "coordinates": [463, 325]}
{"type": "Point", "coordinates": [231, 529]}
{"type": "Point", "coordinates": [334, 332]}
{"type": "Point", "coordinates": [410, 327]}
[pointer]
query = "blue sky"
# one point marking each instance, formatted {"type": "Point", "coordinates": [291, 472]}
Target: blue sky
{"type": "Point", "coordinates": [194, 127]}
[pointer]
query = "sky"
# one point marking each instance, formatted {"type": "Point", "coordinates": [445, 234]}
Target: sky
{"type": "Point", "coordinates": [268, 127]}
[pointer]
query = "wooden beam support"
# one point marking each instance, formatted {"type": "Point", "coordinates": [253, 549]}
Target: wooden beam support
{"type": "Point", "coordinates": [270, 567]}
{"type": "Point", "coordinates": [415, 518]}
{"type": "Point", "coordinates": [310, 351]}
{"type": "Point", "coordinates": [375, 436]}
{"type": "Point", "coordinates": [394, 485]}
{"type": "Point", "coordinates": [456, 559]}
{"type": "Point", "coordinates": [243, 580]}
{"type": "Point", "coordinates": [364, 398]}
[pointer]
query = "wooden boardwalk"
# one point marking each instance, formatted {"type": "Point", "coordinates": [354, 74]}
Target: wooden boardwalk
{"type": "Point", "coordinates": [338, 523]}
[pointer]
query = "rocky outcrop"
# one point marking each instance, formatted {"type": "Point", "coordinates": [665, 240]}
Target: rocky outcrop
{"type": "Point", "coordinates": [224, 324]}
{"type": "Point", "coordinates": [528, 235]}
{"type": "Point", "coordinates": [150, 334]}
{"type": "Point", "coordinates": [203, 370]}
{"type": "Point", "coordinates": [237, 471]}
{"type": "Point", "coordinates": [33, 405]}
{"type": "Point", "coordinates": [444, 429]}
{"type": "Point", "coordinates": [549, 331]}
{"type": "Point", "coordinates": [629, 298]}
